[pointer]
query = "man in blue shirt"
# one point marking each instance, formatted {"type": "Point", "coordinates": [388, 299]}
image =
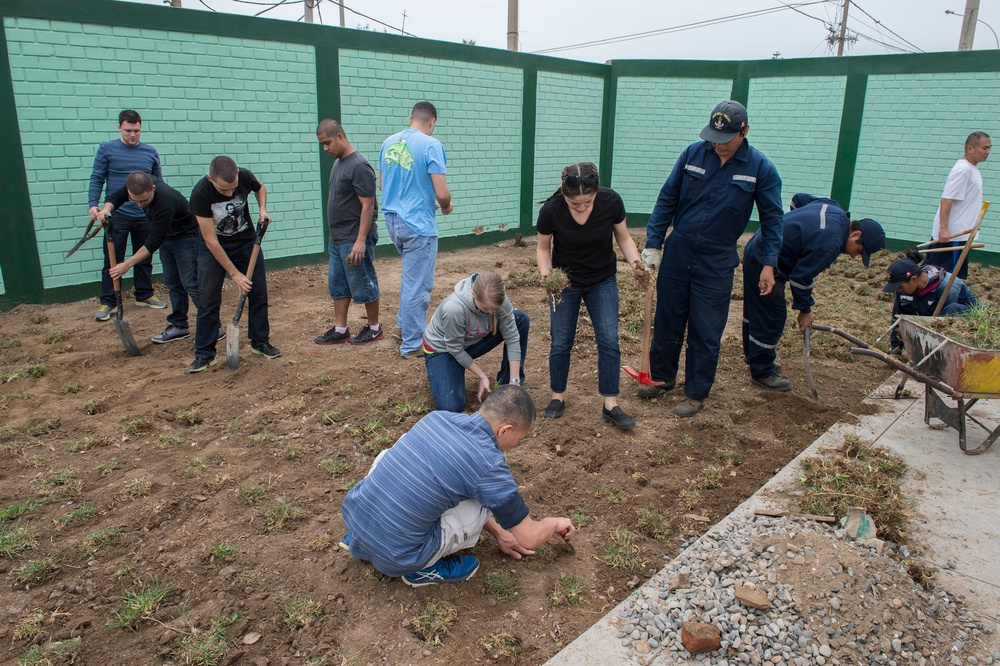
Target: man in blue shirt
{"type": "Point", "coordinates": [412, 177]}
{"type": "Point", "coordinates": [814, 234]}
{"type": "Point", "coordinates": [708, 198]}
{"type": "Point", "coordinates": [439, 486]}
{"type": "Point", "coordinates": [114, 161]}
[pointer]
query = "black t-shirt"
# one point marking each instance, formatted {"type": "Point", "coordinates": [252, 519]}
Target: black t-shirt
{"type": "Point", "coordinates": [169, 213]}
{"type": "Point", "coordinates": [585, 251]}
{"type": "Point", "coordinates": [350, 178]}
{"type": "Point", "coordinates": [231, 214]}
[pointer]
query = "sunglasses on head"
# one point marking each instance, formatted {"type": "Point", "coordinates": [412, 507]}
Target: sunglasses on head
{"type": "Point", "coordinates": [574, 181]}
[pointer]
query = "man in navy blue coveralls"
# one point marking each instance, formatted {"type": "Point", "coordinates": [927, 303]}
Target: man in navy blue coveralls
{"type": "Point", "coordinates": [814, 234]}
{"type": "Point", "coordinates": [708, 198]}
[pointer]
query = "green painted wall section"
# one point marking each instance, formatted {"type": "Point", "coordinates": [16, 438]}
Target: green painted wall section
{"type": "Point", "coordinates": [479, 125]}
{"type": "Point", "coordinates": [913, 132]}
{"type": "Point", "coordinates": [2, 289]}
{"type": "Point", "coordinates": [655, 119]}
{"type": "Point", "coordinates": [798, 129]}
{"type": "Point", "coordinates": [261, 112]}
{"type": "Point", "coordinates": [568, 127]}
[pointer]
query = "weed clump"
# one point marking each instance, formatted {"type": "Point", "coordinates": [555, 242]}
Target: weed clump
{"type": "Point", "coordinates": [301, 612]}
{"type": "Point", "coordinates": [431, 625]}
{"type": "Point", "coordinates": [566, 591]}
{"type": "Point", "coordinates": [501, 644]}
{"type": "Point", "coordinates": [501, 584]}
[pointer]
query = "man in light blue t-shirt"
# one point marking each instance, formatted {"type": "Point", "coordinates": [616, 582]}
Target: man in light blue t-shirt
{"type": "Point", "coordinates": [412, 179]}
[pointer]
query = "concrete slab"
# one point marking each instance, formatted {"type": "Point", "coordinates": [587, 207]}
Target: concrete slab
{"type": "Point", "coordinates": [957, 498]}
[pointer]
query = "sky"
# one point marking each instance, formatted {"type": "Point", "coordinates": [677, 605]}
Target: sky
{"type": "Point", "coordinates": [881, 26]}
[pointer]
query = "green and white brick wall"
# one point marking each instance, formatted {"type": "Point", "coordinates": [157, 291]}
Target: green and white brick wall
{"type": "Point", "coordinates": [655, 119]}
{"type": "Point", "coordinates": [479, 125]}
{"type": "Point", "coordinates": [569, 109]}
{"type": "Point", "coordinates": [199, 96]}
{"type": "Point", "coordinates": [914, 131]}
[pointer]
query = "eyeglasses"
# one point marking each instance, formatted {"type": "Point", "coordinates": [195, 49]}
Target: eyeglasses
{"type": "Point", "coordinates": [586, 181]}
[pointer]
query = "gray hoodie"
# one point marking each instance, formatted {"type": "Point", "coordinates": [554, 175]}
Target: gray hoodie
{"type": "Point", "coordinates": [458, 323]}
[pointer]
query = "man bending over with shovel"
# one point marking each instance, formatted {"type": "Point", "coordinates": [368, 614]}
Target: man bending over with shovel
{"type": "Point", "coordinates": [439, 486]}
{"type": "Point", "coordinates": [814, 234]}
{"type": "Point", "coordinates": [220, 202]}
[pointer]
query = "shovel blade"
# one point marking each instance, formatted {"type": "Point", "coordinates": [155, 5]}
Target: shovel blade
{"type": "Point", "coordinates": [233, 346]}
{"type": "Point", "coordinates": [641, 377]}
{"type": "Point", "coordinates": [125, 335]}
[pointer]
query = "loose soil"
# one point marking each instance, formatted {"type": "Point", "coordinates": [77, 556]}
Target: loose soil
{"type": "Point", "coordinates": [260, 460]}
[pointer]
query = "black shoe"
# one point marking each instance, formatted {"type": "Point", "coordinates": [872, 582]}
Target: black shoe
{"type": "Point", "coordinates": [650, 391]}
{"type": "Point", "coordinates": [772, 383]}
{"type": "Point", "coordinates": [200, 363]}
{"type": "Point", "coordinates": [554, 409]}
{"type": "Point", "coordinates": [367, 335]}
{"type": "Point", "coordinates": [618, 418]}
{"type": "Point", "coordinates": [267, 350]}
{"type": "Point", "coordinates": [331, 337]}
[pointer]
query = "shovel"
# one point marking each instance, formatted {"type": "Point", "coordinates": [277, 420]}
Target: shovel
{"type": "Point", "coordinates": [233, 329]}
{"type": "Point", "coordinates": [124, 332]}
{"type": "Point", "coordinates": [647, 321]}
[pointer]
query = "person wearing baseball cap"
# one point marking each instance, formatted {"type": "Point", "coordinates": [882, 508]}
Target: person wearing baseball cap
{"type": "Point", "coordinates": [708, 199]}
{"type": "Point", "coordinates": [918, 290]}
{"type": "Point", "coordinates": [814, 234]}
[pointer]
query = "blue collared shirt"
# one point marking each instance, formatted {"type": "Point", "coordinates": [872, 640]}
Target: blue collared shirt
{"type": "Point", "coordinates": [709, 203]}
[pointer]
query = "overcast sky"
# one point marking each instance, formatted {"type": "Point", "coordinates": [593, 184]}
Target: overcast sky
{"type": "Point", "coordinates": [550, 24]}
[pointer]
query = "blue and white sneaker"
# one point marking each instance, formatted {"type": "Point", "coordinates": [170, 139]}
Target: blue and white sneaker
{"type": "Point", "coordinates": [345, 543]}
{"type": "Point", "coordinates": [451, 569]}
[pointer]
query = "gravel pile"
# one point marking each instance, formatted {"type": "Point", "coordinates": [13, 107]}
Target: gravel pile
{"type": "Point", "coordinates": [832, 601]}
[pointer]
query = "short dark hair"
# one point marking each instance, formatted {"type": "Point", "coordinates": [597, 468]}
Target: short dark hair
{"type": "Point", "coordinates": [510, 404]}
{"type": "Point", "coordinates": [129, 116]}
{"type": "Point", "coordinates": [330, 127]}
{"type": "Point", "coordinates": [423, 112]}
{"type": "Point", "coordinates": [975, 139]}
{"type": "Point", "coordinates": [224, 167]}
{"type": "Point", "coordinates": [139, 182]}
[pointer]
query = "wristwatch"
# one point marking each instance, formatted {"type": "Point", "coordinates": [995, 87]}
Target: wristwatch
{"type": "Point", "coordinates": [516, 381]}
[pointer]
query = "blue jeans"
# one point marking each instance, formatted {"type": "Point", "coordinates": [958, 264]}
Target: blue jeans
{"type": "Point", "coordinates": [358, 282]}
{"type": "Point", "coordinates": [211, 274]}
{"type": "Point", "coordinates": [601, 300]}
{"type": "Point", "coordinates": [142, 273]}
{"type": "Point", "coordinates": [419, 255]}
{"type": "Point", "coordinates": [179, 258]}
{"type": "Point", "coordinates": [447, 376]}
{"type": "Point", "coordinates": [763, 317]}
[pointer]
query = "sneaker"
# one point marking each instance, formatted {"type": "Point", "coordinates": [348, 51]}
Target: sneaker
{"type": "Point", "coordinates": [554, 409]}
{"type": "Point", "coordinates": [450, 569]}
{"type": "Point", "coordinates": [618, 418]}
{"type": "Point", "coordinates": [345, 543]}
{"type": "Point", "coordinates": [772, 383]}
{"type": "Point", "coordinates": [688, 407]}
{"type": "Point", "coordinates": [267, 350]}
{"type": "Point", "coordinates": [331, 337]}
{"type": "Point", "coordinates": [200, 363]}
{"type": "Point", "coordinates": [416, 353]}
{"type": "Point", "coordinates": [151, 302]}
{"type": "Point", "coordinates": [367, 335]}
{"type": "Point", "coordinates": [221, 335]}
{"type": "Point", "coordinates": [650, 391]}
{"type": "Point", "coordinates": [105, 311]}
{"type": "Point", "coordinates": [171, 333]}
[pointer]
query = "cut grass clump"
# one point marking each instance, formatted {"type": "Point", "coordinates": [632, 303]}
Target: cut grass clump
{"type": "Point", "coordinates": [165, 441]}
{"type": "Point", "coordinates": [566, 591]}
{"type": "Point", "coordinates": [108, 466]}
{"type": "Point", "coordinates": [52, 653]}
{"type": "Point", "coordinates": [251, 494]}
{"type": "Point", "coordinates": [659, 456]}
{"type": "Point", "coordinates": [35, 371]}
{"type": "Point", "coordinates": [859, 476]}
{"type": "Point", "coordinates": [710, 477]}
{"type": "Point", "coordinates": [15, 511]}
{"type": "Point", "coordinates": [94, 406]}
{"type": "Point", "coordinates": [221, 550]}
{"type": "Point", "coordinates": [282, 512]}
{"type": "Point", "coordinates": [82, 512]}
{"type": "Point", "coordinates": [188, 417]}
{"type": "Point", "coordinates": [501, 644]}
{"type": "Point", "coordinates": [205, 648]}
{"type": "Point", "coordinates": [623, 552]}
{"type": "Point", "coordinates": [431, 625]}
{"type": "Point", "coordinates": [16, 539]}
{"type": "Point", "coordinates": [42, 428]}
{"type": "Point", "coordinates": [29, 626]}
{"type": "Point", "coordinates": [332, 417]}
{"type": "Point", "coordinates": [136, 606]}
{"type": "Point", "coordinates": [653, 524]}
{"type": "Point", "coordinates": [501, 584]}
{"type": "Point", "coordinates": [37, 571]}
{"type": "Point", "coordinates": [555, 282]}
{"type": "Point", "coordinates": [61, 482]}
{"type": "Point", "coordinates": [321, 543]}
{"type": "Point", "coordinates": [301, 611]}
{"type": "Point", "coordinates": [610, 495]}
{"type": "Point", "coordinates": [139, 426]}
{"type": "Point", "coordinates": [979, 327]}
{"type": "Point", "coordinates": [334, 466]}
{"type": "Point", "coordinates": [94, 543]}
{"type": "Point", "coordinates": [134, 489]}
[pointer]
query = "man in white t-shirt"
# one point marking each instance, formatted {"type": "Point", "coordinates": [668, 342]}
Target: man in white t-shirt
{"type": "Point", "coordinates": [960, 203]}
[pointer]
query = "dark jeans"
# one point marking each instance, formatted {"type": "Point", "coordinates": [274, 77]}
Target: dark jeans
{"type": "Point", "coordinates": [447, 376]}
{"type": "Point", "coordinates": [179, 258]}
{"type": "Point", "coordinates": [946, 260]}
{"type": "Point", "coordinates": [210, 277]}
{"type": "Point", "coordinates": [763, 318]}
{"type": "Point", "coordinates": [124, 227]}
{"type": "Point", "coordinates": [601, 300]}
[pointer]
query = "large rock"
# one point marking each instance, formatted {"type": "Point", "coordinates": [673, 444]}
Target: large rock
{"type": "Point", "coordinates": [700, 637]}
{"type": "Point", "coordinates": [752, 597]}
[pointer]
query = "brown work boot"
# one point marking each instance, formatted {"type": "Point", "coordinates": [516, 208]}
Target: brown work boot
{"type": "Point", "coordinates": [650, 391]}
{"type": "Point", "coordinates": [688, 407]}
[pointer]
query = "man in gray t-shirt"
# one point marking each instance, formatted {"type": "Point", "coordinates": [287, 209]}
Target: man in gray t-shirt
{"type": "Point", "coordinates": [351, 213]}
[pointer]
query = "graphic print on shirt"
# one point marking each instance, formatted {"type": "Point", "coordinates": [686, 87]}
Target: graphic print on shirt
{"type": "Point", "coordinates": [228, 216]}
{"type": "Point", "coordinates": [398, 153]}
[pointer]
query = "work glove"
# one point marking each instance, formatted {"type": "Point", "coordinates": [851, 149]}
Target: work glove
{"type": "Point", "coordinates": [651, 257]}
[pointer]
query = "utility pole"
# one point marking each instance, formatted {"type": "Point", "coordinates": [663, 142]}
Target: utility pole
{"type": "Point", "coordinates": [309, 4]}
{"type": "Point", "coordinates": [402, 28]}
{"type": "Point", "coordinates": [342, 24]}
{"type": "Point", "coordinates": [173, 3]}
{"type": "Point", "coordinates": [843, 29]}
{"type": "Point", "coordinates": [511, 25]}
{"type": "Point", "coordinates": [969, 20]}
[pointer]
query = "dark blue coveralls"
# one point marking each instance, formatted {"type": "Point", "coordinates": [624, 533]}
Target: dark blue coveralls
{"type": "Point", "coordinates": [958, 301]}
{"type": "Point", "coordinates": [709, 206]}
{"type": "Point", "coordinates": [812, 237]}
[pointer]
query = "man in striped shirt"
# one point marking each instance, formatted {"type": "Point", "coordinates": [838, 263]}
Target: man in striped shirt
{"type": "Point", "coordinates": [439, 486]}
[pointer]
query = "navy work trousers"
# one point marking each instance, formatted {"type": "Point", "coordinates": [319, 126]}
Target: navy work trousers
{"type": "Point", "coordinates": [763, 318]}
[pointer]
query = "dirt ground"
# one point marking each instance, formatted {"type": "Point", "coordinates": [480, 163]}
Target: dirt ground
{"type": "Point", "coordinates": [226, 487]}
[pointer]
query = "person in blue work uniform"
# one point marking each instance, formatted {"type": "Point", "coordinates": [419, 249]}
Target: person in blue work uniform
{"type": "Point", "coordinates": [814, 234]}
{"type": "Point", "coordinates": [708, 198]}
{"type": "Point", "coordinates": [918, 290]}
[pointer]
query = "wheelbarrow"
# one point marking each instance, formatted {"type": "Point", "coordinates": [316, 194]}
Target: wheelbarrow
{"type": "Point", "coordinates": [946, 367]}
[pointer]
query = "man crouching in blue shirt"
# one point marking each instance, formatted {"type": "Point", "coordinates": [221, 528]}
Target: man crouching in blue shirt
{"type": "Point", "coordinates": [439, 486]}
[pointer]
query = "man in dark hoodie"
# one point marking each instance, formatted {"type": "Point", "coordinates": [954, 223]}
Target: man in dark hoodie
{"type": "Point", "coordinates": [816, 232]}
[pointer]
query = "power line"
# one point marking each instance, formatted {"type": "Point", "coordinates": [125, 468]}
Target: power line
{"type": "Point", "coordinates": [274, 5]}
{"type": "Point", "coordinates": [400, 30]}
{"type": "Point", "coordinates": [881, 43]}
{"type": "Point", "coordinates": [903, 39]}
{"type": "Point", "coordinates": [206, 6]}
{"type": "Point", "coordinates": [319, 11]}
